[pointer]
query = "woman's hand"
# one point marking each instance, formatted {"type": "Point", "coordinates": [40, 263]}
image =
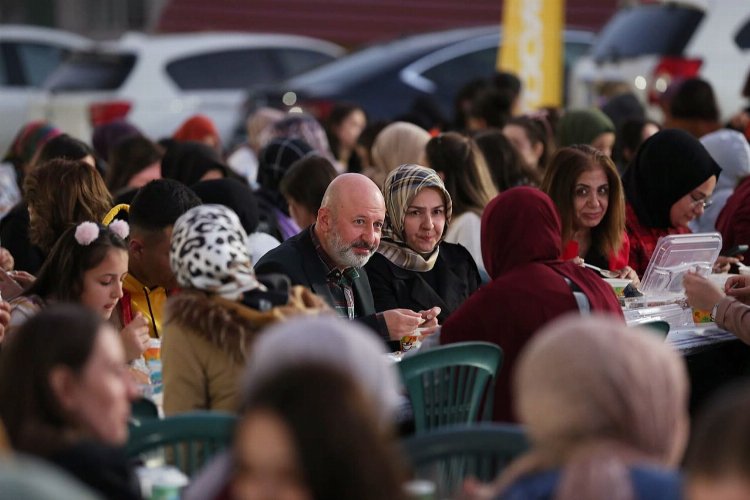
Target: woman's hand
{"type": "Point", "coordinates": [628, 273]}
{"type": "Point", "coordinates": [723, 264]}
{"type": "Point", "coordinates": [701, 292]}
{"type": "Point", "coordinates": [135, 337]}
{"type": "Point", "coordinates": [23, 278]}
{"type": "Point", "coordinates": [6, 260]}
{"type": "Point", "coordinates": [429, 320]}
{"type": "Point", "coordinates": [738, 287]}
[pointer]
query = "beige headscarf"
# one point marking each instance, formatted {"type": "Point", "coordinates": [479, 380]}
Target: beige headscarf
{"type": "Point", "coordinates": [401, 186]}
{"type": "Point", "coordinates": [596, 397]}
{"type": "Point", "coordinates": [396, 144]}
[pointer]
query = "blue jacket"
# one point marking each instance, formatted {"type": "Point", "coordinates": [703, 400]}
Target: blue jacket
{"type": "Point", "coordinates": [649, 483]}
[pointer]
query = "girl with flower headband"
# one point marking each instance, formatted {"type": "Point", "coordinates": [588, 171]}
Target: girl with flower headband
{"type": "Point", "coordinates": [86, 265]}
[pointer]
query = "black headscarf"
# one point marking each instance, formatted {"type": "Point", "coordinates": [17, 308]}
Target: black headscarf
{"type": "Point", "coordinates": [232, 194]}
{"type": "Point", "coordinates": [187, 162]}
{"type": "Point", "coordinates": [668, 165]}
{"type": "Point", "coordinates": [273, 162]}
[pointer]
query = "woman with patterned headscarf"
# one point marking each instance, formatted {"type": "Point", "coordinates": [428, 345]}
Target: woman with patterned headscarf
{"type": "Point", "coordinates": [413, 267]}
{"type": "Point", "coordinates": [211, 324]}
{"type": "Point", "coordinates": [27, 142]}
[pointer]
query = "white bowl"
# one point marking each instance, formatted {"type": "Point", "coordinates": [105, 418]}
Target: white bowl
{"type": "Point", "coordinates": [618, 285]}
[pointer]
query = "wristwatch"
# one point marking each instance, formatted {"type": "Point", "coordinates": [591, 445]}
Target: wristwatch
{"type": "Point", "coordinates": [714, 311]}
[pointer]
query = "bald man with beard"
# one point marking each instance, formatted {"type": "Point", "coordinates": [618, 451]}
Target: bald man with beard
{"type": "Point", "coordinates": [329, 257]}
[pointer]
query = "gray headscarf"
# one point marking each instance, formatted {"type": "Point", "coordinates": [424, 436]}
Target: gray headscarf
{"type": "Point", "coordinates": [731, 151]}
{"type": "Point", "coordinates": [331, 341]}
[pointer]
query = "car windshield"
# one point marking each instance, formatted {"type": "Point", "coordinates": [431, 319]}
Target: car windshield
{"type": "Point", "coordinates": [91, 71]}
{"type": "Point", "coordinates": [362, 64]}
{"type": "Point", "coordinates": [647, 30]}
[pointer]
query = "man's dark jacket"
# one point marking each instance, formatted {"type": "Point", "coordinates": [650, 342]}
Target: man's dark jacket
{"type": "Point", "coordinates": [298, 259]}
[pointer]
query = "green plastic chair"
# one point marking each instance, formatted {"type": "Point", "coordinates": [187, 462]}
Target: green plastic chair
{"type": "Point", "coordinates": [449, 455]}
{"type": "Point", "coordinates": [660, 328]}
{"type": "Point", "coordinates": [186, 441]}
{"type": "Point", "coordinates": [143, 409]}
{"type": "Point", "coordinates": [448, 384]}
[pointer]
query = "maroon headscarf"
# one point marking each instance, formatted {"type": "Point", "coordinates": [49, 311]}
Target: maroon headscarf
{"type": "Point", "coordinates": [521, 247]}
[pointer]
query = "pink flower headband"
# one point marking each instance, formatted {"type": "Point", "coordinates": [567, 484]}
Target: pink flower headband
{"type": "Point", "coordinates": [88, 232]}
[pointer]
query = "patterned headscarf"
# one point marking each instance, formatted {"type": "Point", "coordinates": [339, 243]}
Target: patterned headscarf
{"type": "Point", "coordinates": [400, 188]}
{"type": "Point", "coordinates": [28, 141]}
{"type": "Point", "coordinates": [208, 252]}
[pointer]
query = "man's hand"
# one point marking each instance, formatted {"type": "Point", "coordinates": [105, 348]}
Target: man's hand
{"type": "Point", "coordinates": [701, 292]}
{"type": "Point", "coordinates": [135, 337]}
{"type": "Point", "coordinates": [401, 322]}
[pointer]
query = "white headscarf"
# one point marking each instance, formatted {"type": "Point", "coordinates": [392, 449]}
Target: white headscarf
{"type": "Point", "coordinates": [731, 151]}
{"type": "Point", "coordinates": [331, 341]}
{"type": "Point", "coordinates": [208, 252]}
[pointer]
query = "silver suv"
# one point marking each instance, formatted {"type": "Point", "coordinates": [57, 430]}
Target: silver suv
{"type": "Point", "coordinates": [28, 54]}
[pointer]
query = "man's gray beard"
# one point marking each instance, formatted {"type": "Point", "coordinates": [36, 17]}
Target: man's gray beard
{"type": "Point", "coordinates": [343, 253]}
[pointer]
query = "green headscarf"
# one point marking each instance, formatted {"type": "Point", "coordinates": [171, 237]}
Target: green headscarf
{"type": "Point", "coordinates": [582, 126]}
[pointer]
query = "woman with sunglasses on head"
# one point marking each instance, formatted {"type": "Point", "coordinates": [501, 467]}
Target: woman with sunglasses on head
{"type": "Point", "coordinates": [667, 185]}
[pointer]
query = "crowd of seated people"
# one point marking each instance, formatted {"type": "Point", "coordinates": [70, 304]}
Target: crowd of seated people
{"type": "Point", "coordinates": [272, 280]}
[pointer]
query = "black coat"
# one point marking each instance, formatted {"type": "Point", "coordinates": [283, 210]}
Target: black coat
{"type": "Point", "coordinates": [103, 468]}
{"type": "Point", "coordinates": [297, 258]}
{"type": "Point", "coordinates": [394, 287]}
{"type": "Point", "coordinates": [14, 235]}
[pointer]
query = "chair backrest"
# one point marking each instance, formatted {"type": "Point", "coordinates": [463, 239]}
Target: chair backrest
{"type": "Point", "coordinates": [448, 384]}
{"type": "Point", "coordinates": [660, 327]}
{"type": "Point", "coordinates": [449, 455]}
{"type": "Point", "coordinates": [143, 409]}
{"type": "Point", "coordinates": [187, 441]}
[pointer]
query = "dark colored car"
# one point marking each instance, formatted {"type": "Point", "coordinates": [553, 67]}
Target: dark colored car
{"type": "Point", "coordinates": [386, 79]}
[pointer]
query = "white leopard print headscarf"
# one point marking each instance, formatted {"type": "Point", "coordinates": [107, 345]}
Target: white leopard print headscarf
{"type": "Point", "coordinates": [208, 252]}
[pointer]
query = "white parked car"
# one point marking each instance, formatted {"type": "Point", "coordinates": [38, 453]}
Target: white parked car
{"type": "Point", "coordinates": [28, 54]}
{"type": "Point", "coordinates": [156, 82]}
{"type": "Point", "coordinates": [650, 45]}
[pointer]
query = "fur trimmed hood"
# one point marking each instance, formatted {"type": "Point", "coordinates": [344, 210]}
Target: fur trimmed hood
{"type": "Point", "coordinates": [232, 325]}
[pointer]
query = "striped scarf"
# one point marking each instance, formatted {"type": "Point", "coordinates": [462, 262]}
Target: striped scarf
{"type": "Point", "coordinates": [400, 188]}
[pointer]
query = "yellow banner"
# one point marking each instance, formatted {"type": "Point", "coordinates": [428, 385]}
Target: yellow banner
{"type": "Point", "coordinates": [532, 48]}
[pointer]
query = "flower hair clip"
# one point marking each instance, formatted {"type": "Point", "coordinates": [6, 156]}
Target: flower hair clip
{"type": "Point", "coordinates": [120, 228]}
{"type": "Point", "coordinates": [87, 232]}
